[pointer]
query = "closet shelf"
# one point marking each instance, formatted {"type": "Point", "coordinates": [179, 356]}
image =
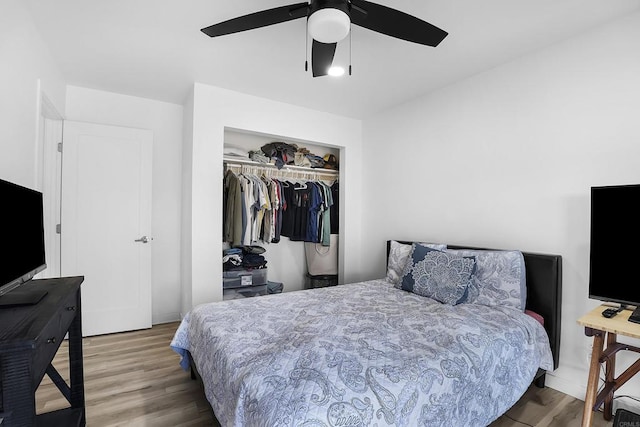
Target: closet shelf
{"type": "Point", "coordinates": [236, 161]}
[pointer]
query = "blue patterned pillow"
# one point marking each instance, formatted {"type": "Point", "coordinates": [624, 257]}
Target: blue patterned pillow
{"type": "Point", "coordinates": [499, 280]}
{"type": "Point", "coordinates": [441, 276]}
{"type": "Point", "coordinates": [398, 257]}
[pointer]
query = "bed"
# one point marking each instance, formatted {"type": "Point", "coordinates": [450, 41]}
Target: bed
{"type": "Point", "coordinates": [373, 353]}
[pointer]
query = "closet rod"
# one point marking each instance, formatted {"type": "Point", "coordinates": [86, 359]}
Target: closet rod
{"type": "Point", "coordinates": [241, 165]}
{"type": "Point", "coordinates": [242, 161]}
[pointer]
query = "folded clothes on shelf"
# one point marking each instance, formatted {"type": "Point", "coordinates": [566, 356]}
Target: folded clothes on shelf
{"type": "Point", "coordinates": [243, 257]}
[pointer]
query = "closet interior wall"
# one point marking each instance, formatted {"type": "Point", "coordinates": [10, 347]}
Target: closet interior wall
{"type": "Point", "coordinates": [286, 261]}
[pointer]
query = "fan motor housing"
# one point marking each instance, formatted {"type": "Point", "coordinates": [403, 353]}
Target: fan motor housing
{"type": "Point", "coordinates": [341, 5]}
{"type": "Point", "coordinates": [329, 21]}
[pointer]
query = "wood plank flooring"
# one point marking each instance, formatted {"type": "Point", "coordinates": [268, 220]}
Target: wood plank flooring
{"type": "Point", "coordinates": [133, 379]}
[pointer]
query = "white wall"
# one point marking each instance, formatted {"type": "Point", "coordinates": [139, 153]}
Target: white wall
{"type": "Point", "coordinates": [506, 159]}
{"type": "Point", "coordinates": [26, 68]}
{"type": "Point", "coordinates": [215, 109]}
{"type": "Point", "coordinates": [165, 120]}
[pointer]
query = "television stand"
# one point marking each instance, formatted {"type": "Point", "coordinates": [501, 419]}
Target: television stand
{"type": "Point", "coordinates": [30, 336]}
{"type": "Point", "coordinates": [21, 296]}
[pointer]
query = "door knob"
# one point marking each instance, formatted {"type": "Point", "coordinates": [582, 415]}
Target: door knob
{"type": "Point", "coordinates": [144, 239]}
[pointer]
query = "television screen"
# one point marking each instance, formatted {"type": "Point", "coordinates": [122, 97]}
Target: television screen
{"type": "Point", "coordinates": [615, 238]}
{"type": "Point", "coordinates": [22, 236]}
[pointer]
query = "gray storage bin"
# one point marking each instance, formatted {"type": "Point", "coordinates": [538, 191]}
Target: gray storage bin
{"type": "Point", "coordinates": [240, 278]}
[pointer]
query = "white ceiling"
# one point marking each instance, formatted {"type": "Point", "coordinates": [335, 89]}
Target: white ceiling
{"type": "Point", "coordinates": [154, 48]}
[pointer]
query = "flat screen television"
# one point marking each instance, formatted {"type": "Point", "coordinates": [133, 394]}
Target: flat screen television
{"type": "Point", "coordinates": [22, 243]}
{"type": "Point", "coordinates": [615, 239]}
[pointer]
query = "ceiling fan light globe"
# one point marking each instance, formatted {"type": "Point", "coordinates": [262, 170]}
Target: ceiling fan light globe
{"type": "Point", "coordinates": [329, 25]}
{"type": "Point", "coordinates": [336, 71]}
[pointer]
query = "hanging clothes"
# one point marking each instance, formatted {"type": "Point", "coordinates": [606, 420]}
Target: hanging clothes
{"type": "Point", "coordinates": [232, 221]}
{"type": "Point", "coordinates": [325, 232]}
{"type": "Point", "coordinates": [335, 212]}
{"type": "Point", "coordinates": [263, 209]}
{"type": "Point", "coordinates": [248, 202]}
{"type": "Point", "coordinates": [300, 202]}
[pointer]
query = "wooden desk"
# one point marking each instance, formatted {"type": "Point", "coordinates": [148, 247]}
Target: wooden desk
{"type": "Point", "coordinates": [599, 327]}
{"type": "Point", "coordinates": [29, 339]}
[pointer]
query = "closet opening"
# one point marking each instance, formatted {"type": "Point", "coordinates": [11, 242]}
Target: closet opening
{"type": "Point", "coordinates": [281, 216]}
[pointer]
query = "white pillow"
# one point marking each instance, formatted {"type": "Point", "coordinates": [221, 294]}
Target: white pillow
{"type": "Point", "coordinates": [398, 257]}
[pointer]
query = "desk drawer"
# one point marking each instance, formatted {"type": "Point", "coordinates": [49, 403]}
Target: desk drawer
{"type": "Point", "coordinates": [52, 335]}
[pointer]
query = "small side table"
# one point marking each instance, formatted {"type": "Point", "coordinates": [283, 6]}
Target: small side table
{"type": "Point", "coordinates": [601, 328]}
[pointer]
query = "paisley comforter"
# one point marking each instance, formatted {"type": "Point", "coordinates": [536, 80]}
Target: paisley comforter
{"type": "Point", "coordinates": [364, 354]}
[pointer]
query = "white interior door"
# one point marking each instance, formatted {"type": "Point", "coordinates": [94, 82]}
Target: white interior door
{"type": "Point", "coordinates": [106, 211]}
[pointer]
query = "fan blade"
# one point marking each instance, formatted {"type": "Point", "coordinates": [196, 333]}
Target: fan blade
{"type": "Point", "coordinates": [322, 57]}
{"type": "Point", "coordinates": [258, 19]}
{"type": "Point", "coordinates": [394, 23]}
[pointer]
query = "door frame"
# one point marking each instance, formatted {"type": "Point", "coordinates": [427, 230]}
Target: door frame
{"type": "Point", "coordinates": [49, 179]}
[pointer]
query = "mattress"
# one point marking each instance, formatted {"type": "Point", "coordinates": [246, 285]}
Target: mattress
{"type": "Point", "coordinates": [358, 355]}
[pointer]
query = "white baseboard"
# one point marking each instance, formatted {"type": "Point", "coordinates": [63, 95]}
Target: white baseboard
{"type": "Point", "coordinates": [166, 318]}
{"type": "Point", "coordinates": [569, 380]}
{"type": "Point", "coordinates": [566, 380]}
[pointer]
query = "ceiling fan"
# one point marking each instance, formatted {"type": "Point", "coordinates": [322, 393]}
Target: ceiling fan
{"type": "Point", "coordinates": [329, 21]}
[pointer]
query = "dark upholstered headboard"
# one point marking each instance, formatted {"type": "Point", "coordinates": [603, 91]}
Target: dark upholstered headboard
{"type": "Point", "coordinates": [544, 291]}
